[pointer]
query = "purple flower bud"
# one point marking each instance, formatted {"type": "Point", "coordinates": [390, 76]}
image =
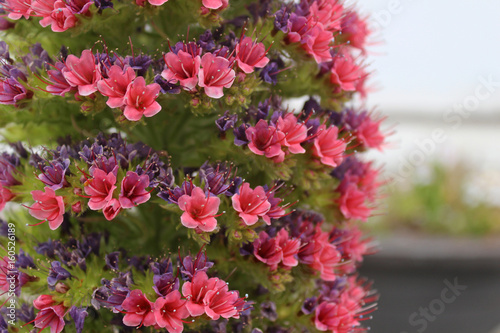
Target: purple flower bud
{"type": "Point", "coordinates": [166, 283]}
{"type": "Point", "coordinates": [57, 273]}
{"type": "Point", "coordinates": [167, 87]}
{"type": "Point", "coordinates": [240, 137]}
{"type": "Point", "coordinates": [190, 266]}
{"type": "Point", "coordinates": [26, 313]}
{"type": "Point", "coordinates": [309, 305]}
{"type": "Point", "coordinates": [206, 41]}
{"type": "Point", "coordinates": [24, 260]}
{"type": "Point", "coordinates": [78, 315]}
{"type": "Point", "coordinates": [225, 122]}
{"type": "Point", "coordinates": [268, 310]}
{"type": "Point", "coordinates": [139, 63]}
{"type": "Point", "coordinates": [112, 260]}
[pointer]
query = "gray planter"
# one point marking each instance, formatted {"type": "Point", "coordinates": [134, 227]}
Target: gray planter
{"type": "Point", "coordinates": [436, 284]}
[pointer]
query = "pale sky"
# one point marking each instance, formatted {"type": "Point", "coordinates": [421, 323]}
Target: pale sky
{"type": "Point", "coordinates": [431, 53]}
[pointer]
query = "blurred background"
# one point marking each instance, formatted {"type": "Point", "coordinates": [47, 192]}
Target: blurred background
{"type": "Point", "coordinates": [438, 80]}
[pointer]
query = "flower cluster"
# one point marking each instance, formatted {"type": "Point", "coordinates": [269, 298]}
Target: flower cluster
{"type": "Point", "coordinates": [301, 240]}
{"type": "Point", "coordinates": [200, 205]}
{"type": "Point", "coordinates": [60, 15]}
{"type": "Point", "coordinates": [168, 307]}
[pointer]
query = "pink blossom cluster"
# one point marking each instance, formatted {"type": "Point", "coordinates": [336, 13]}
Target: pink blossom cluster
{"type": "Point", "coordinates": [99, 187]}
{"type": "Point", "coordinates": [269, 139]}
{"type": "Point", "coordinates": [59, 14]}
{"type": "Point", "coordinates": [117, 82]}
{"type": "Point", "coordinates": [356, 190]}
{"type": "Point", "coordinates": [331, 254]}
{"type": "Point", "coordinates": [345, 313]}
{"type": "Point", "coordinates": [212, 71]}
{"type": "Point", "coordinates": [200, 208]}
{"type": "Point", "coordinates": [209, 5]}
{"type": "Point", "coordinates": [200, 296]}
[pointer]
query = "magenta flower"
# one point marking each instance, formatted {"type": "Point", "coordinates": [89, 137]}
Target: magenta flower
{"type": "Point", "coordinates": [352, 203]}
{"type": "Point", "coordinates": [12, 92]}
{"type": "Point", "coordinates": [356, 29]}
{"type": "Point", "coordinates": [369, 134]}
{"type": "Point", "coordinates": [215, 74]}
{"type": "Point", "coordinates": [48, 207]}
{"type": "Point", "coordinates": [50, 315]}
{"type": "Point", "coordinates": [196, 290]}
{"type": "Point", "coordinates": [182, 67]}
{"type": "Point", "coordinates": [58, 85]}
{"type": "Point", "coordinates": [82, 72]}
{"type": "Point", "coordinates": [133, 190]}
{"type": "Point", "coordinates": [100, 189]}
{"type": "Point", "coordinates": [267, 250]}
{"type": "Point", "coordinates": [215, 4]}
{"type": "Point", "coordinates": [326, 256]}
{"type": "Point", "coordinates": [4, 274]}
{"type": "Point", "coordinates": [317, 42]}
{"type": "Point", "coordinates": [60, 19]}
{"type": "Point", "coordinates": [139, 310]}
{"type": "Point", "coordinates": [289, 247]}
{"type": "Point", "coordinates": [116, 85]}
{"type": "Point", "coordinates": [250, 54]}
{"type": "Point", "coordinates": [18, 9]}
{"type": "Point", "coordinates": [328, 147]}
{"type": "Point", "coordinates": [295, 133]}
{"type": "Point", "coordinates": [251, 204]}
{"type": "Point", "coordinates": [297, 27]}
{"type": "Point", "coordinates": [266, 140]}
{"type": "Point", "coordinates": [345, 72]}
{"type": "Point", "coordinates": [169, 312]}
{"type": "Point", "coordinates": [327, 12]}
{"type": "Point", "coordinates": [220, 302]}
{"type": "Point", "coordinates": [5, 196]}
{"type": "Point", "coordinates": [140, 100]}
{"type": "Point", "coordinates": [199, 210]}
{"type": "Point", "coordinates": [112, 209]}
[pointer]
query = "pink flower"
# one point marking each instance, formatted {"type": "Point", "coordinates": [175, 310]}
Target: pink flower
{"type": "Point", "coordinates": [58, 85]}
{"type": "Point", "coordinates": [5, 196]}
{"type": "Point", "coordinates": [335, 317]}
{"type": "Point", "coordinates": [196, 290]}
{"type": "Point", "coordinates": [250, 54]}
{"type": "Point", "coordinates": [328, 12]}
{"type": "Point", "coordinates": [297, 27]}
{"type": "Point", "coordinates": [215, 4]}
{"type": "Point", "coordinates": [112, 209]}
{"type": "Point", "coordinates": [266, 140]}
{"type": "Point", "coordinates": [295, 133]}
{"type": "Point", "coordinates": [82, 73]}
{"type": "Point", "coordinates": [157, 2]}
{"type": "Point", "coordinates": [133, 190]}
{"type": "Point", "coordinates": [369, 134]}
{"type": "Point", "coordinates": [355, 29]}
{"type": "Point", "coordinates": [289, 247]}
{"type": "Point", "coordinates": [116, 85]}
{"type": "Point", "coordinates": [328, 147]}
{"type": "Point", "coordinates": [220, 302]}
{"type": "Point", "coordinates": [267, 250]}
{"type": "Point", "coordinates": [139, 310]}
{"type": "Point", "coordinates": [199, 210]}
{"type": "Point", "coordinates": [345, 72]}
{"type": "Point", "coordinates": [43, 8]}
{"type": "Point", "coordinates": [169, 312]}
{"type": "Point", "coordinates": [100, 188]}
{"type": "Point", "coordinates": [317, 43]}
{"type": "Point", "coordinates": [215, 74]}
{"type": "Point", "coordinates": [61, 19]}
{"type": "Point", "coordinates": [18, 9]}
{"type": "Point", "coordinates": [326, 256]}
{"type": "Point", "coordinates": [352, 202]}
{"type": "Point", "coordinates": [48, 207]}
{"type": "Point", "coordinates": [140, 100]}
{"type": "Point", "coordinates": [183, 67]}
{"type": "Point", "coordinates": [50, 315]}
{"type": "Point", "coordinates": [251, 204]}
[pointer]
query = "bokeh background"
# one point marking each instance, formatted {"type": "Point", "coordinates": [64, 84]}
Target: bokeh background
{"type": "Point", "coordinates": [438, 81]}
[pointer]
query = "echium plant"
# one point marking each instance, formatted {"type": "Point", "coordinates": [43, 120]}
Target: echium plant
{"type": "Point", "coordinates": [152, 177]}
